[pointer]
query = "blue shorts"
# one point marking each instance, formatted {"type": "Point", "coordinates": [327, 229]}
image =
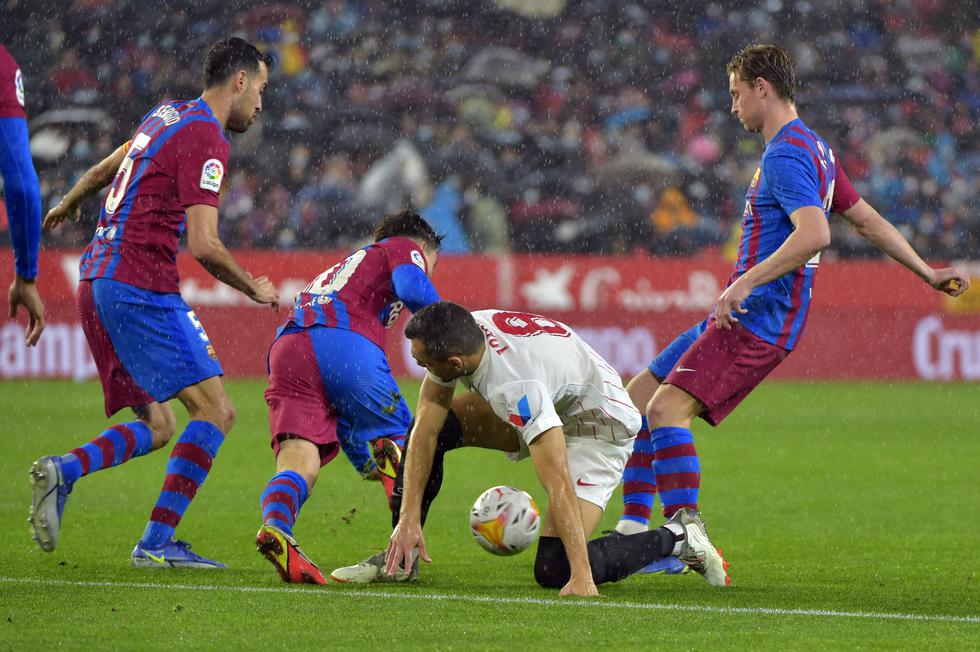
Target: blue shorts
{"type": "Point", "coordinates": [667, 359]}
{"type": "Point", "coordinates": [332, 386]}
{"type": "Point", "coordinates": [156, 336]}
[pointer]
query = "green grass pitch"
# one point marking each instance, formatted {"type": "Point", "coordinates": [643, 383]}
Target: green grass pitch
{"type": "Point", "coordinates": [850, 513]}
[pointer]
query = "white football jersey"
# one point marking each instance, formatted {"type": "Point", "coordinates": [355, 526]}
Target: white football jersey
{"type": "Point", "coordinates": [537, 373]}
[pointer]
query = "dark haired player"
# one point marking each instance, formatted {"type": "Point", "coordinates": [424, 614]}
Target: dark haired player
{"type": "Point", "coordinates": [536, 390]}
{"type": "Point", "coordinates": [147, 343]}
{"type": "Point", "coordinates": [329, 379]}
{"type": "Point", "coordinates": [760, 318]}
{"type": "Point", "coordinates": [22, 196]}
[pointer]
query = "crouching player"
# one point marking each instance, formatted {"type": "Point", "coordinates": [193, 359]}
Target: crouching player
{"type": "Point", "coordinates": [536, 390]}
{"type": "Point", "coordinates": [329, 379]}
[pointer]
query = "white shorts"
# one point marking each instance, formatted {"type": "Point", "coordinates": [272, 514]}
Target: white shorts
{"type": "Point", "coordinates": [595, 466]}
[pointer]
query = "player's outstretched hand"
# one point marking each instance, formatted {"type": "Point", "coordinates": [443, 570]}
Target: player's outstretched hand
{"type": "Point", "coordinates": [59, 214]}
{"type": "Point", "coordinates": [24, 292]}
{"type": "Point", "coordinates": [951, 280]}
{"type": "Point", "coordinates": [263, 291]}
{"type": "Point", "coordinates": [406, 538]}
{"type": "Point", "coordinates": [581, 586]}
{"type": "Point", "coordinates": [730, 302]}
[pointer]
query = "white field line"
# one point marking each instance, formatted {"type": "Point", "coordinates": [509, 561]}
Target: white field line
{"type": "Point", "coordinates": [487, 599]}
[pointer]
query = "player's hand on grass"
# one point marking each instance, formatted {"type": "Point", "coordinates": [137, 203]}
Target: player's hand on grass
{"type": "Point", "coordinates": [581, 586]}
{"type": "Point", "coordinates": [59, 214]}
{"type": "Point", "coordinates": [730, 302]}
{"type": "Point", "coordinates": [24, 293]}
{"type": "Point", "coordinates": [263, 291]}
{"type": "Point", "coordinates": [951, 280]}
{"type": "Point", "coordinates": [406, 538]}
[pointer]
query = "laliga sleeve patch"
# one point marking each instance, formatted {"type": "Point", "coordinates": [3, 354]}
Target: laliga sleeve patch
{"type": "Point", "coordinates": [211, 175]}
{"type": "Point", "coordinates": [418, 259]}
{"type": "Point", "coordinates": [19, 87]}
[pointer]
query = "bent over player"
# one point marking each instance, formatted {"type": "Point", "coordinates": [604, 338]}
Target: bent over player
{"type": "Point", "coordinates": [148, 344]}
{"type": "Point", "coordinates": [758, 320]}
{"type": "Point", "coordinates": [536, 390]}
{"type": "Point", "coordinates": [329, 379]}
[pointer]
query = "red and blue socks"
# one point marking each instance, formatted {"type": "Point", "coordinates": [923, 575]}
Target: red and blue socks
{"type": "Point", "coordinates": [120, 443]}
{"type": "Point", "coordinates": [639, 485]}
{"type": "Point", "coordinates": [677, 469]}
{"type": "Point", "coordinates": [282, 499]}
{"type": "Point", "coordinates": [190, 462]}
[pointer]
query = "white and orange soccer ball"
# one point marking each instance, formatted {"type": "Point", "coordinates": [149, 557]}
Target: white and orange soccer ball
{"type": "Point", "coordinates": [505, 520]}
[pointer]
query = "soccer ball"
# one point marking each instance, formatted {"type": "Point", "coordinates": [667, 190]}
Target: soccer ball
{"type": "Point", "coordinates": [505, 520]}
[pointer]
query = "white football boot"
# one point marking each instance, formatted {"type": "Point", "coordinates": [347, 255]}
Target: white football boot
{"type": "Point", "coordinates": [698, 551]}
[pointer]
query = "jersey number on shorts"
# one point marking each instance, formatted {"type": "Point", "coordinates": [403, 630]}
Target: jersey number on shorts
{"type": "Point", "coordinates": [525, 324]}
{"type": "Point", "coordinates": [121, 181]}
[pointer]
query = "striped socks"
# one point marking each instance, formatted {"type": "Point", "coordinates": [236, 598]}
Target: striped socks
{"type": "Point", "coordinates": [120, 443]}
{"type": "Point", "coordinates": [282, 500]}
{"type": "Point", "coordinates": [639, 485]}
{"type": "Point", "coordinates": [677, 469]}
{"type": "Point", "coordinates": [190, 462]}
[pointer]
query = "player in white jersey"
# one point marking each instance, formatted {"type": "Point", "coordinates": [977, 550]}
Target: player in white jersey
{"type": "Point", "coordinates": [536, 390]}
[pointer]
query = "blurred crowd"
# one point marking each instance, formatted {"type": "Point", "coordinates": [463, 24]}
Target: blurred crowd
{"type": "Point", "coordinates": [593, 126]}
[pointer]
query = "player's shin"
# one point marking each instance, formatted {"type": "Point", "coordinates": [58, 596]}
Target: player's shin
{"type": "Point", "coordinates": [639, 485]}
{"type": "Point", "coordinates": [611, 558]}
{"type": "Point", "coordinates": [450, 438]}
{"type": "Point", "coordinates": [677, 469]}
{"type": "Point", "coordinates": [282, 499]}
{"type": "Point", "coordinates": [188, 468]}
{"type": "Point", "coordinates": [117, 445]}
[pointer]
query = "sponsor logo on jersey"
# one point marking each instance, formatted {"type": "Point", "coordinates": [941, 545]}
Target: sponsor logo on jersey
{"type": "Point", "coordinates": [211, 175]}
{"type": "Point", "coordinates": [19, 87]}
{"type": "Point", "coordinates": [418, 259]}
{"type": "Point", "coordinates": [523, 416]}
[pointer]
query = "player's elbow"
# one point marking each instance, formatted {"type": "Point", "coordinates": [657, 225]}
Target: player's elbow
{"type": "Point", "coordinates": [204, 249]}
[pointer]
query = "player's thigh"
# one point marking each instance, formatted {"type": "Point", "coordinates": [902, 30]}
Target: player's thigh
{"type": "Point", "coordinates": [716, 373]}
{"type": "Point", "coordinates": [641, 389]}
{"type": "Point", "coordinates": [208, 400]}
{"type": "Point", "coordinates": [591, 515]}
{"type": "Point", "coordinates": [481, 427]}
{"type": "Point", "coordinates": [298, 405]}
{"type": "Point", "coordinates": [672, 406]}
{"type": "Point", "coordinates": [158, 338]}
{"type": "Point", "coordinates": [665, 362]}
{"type": "Point", "coordinates": [358, 384]}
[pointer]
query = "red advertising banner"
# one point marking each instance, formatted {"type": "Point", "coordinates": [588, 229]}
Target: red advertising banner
{"type": "Point", "coordinates": [870, 320]}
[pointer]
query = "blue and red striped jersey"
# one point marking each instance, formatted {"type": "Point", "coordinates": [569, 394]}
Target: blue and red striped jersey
{"type": "Point", "coordinates": [177, 158]}
{"type": "Point", "coordinates": [797, 169]}
{"type": "Point", "coordinates": [360, 293]}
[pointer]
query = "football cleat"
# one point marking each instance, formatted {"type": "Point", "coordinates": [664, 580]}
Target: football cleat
{"type": "Point", "coordinates": [698, 552]}
{"type": "Point", "coordinates": [48, 504]}
{"type": "Point", "coordinates": [173, 554]}
{"type": "Point", "coordinates": [666, 566]}
{"type": "Point", "coordinates": [388, 458]}
{"type": "Point", "coordinates": [290, 561]}
{"type": "Point", "coordinates": [387, 455]}
{"type": "Point", "coordinates": [372, 570]}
